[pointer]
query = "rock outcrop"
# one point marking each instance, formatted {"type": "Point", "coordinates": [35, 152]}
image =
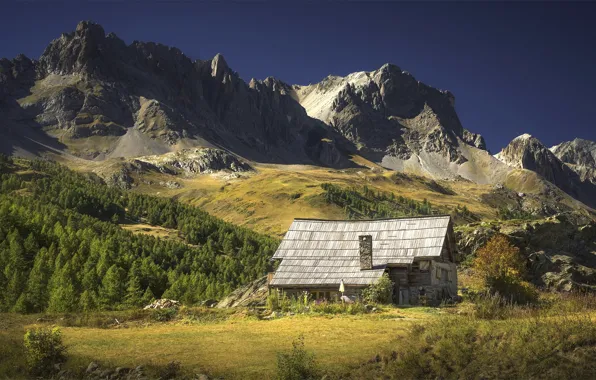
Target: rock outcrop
{"type": "Point", "coordinates": [196, 161]}
{"type": "Point", "coordinates": [163, 303]}
{"type": "Point", "coordinates": [580, 156]}
{"type": "Point", "coordinates": [252, 294]}
{"type": "Point", "coordinates": [527, 152]}
{"type": "Point", "coordinates": [560, 250]}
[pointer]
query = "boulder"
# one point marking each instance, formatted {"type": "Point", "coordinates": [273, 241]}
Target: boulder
{"type": "Point", "coordinates": [163, 303]}
{"type": "Point", "coordinates": [92, 367]}
{"type": "Point", "coordinates": [252, 294]}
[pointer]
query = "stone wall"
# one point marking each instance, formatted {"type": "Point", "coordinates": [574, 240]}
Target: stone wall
{"type": "Point", "coordinates": [433, 295]}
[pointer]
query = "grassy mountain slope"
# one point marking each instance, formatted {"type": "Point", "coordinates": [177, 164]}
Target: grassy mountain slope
{"type": "Point", "coordinates": [269, 198]}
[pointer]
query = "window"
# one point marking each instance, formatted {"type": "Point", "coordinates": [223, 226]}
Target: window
{"type": "Point", "coordinates": [424, 266]}
{"type": "Point", "coordinates": [319, 296]}
{"type": "Point", "coordinates": [444, 275]}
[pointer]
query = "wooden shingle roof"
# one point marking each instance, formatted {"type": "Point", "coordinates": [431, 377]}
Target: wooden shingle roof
{"type": "Point", "coordinates": [323, 252]}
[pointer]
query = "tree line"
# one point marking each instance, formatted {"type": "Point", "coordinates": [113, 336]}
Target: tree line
{"type": "Point", "coordinates": [62, 250]}
{"type": "Point", "coordinates": [365, 203]}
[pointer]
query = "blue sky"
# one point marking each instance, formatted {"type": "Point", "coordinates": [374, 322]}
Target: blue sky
{"type": "Point", "coordinates": [514, 67]}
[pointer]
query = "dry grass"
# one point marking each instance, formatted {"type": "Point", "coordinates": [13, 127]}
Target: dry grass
{"type": "Point", "coordinates": [155, 231]}
{"type": "Point", "coordinates": [237, 348]}
{"type": "Point", "coordinates": [233, 344]}
{"type": "Point", "coordinates": [242, 350]}
{"type": "Point", "coordinates": [268, 200]}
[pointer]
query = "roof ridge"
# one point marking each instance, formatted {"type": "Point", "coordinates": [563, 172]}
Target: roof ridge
{"type": "Point", "coordinates": [378, 220]}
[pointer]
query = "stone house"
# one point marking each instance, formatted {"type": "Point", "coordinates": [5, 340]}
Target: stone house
{"type": "Point", "coordinates": [417, 252]}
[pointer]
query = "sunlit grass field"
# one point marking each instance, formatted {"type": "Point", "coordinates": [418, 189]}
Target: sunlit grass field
{"type": "Point", "coordinates": [239, 344]}
{"type": "Point", "coordinates": [228, 344]}
{"type": "Point", "coordinates": [267, 201]}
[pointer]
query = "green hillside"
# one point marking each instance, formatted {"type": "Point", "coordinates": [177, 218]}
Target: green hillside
{"type": "Point", "coordinates": [62, 248]}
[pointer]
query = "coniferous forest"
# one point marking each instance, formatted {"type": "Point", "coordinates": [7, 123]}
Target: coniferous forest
{"type": "Point", "coordinates": [367, 203]}
{"type": "Point", "coordinates": [62, 250]}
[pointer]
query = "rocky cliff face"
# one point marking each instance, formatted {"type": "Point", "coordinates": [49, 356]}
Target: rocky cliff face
{"type": "Point", "coordinates": [89, 84]}
{"type": "Point", "coordinates": [196, 161]}
{"type": "Point", "coordinates": [527, 152]}
{"type": "Point", "coordinates": [580, 156]}
{"type": "Point", "coordinates": [389, 115]}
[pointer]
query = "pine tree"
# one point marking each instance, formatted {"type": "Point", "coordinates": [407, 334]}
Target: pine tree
{"type": "Point", "coordinates": [63, 297]}
{"type": "Point", "coordinates": [134, 292]}
{"type": "Point", "coordinates": [148, 297]}
{"type": "Point", "coordinates": [112, 287]}
{"type": "Point", "coordinates": [37, 284]}
{"type": "Point", "coordinates": [14, 272]}
{"type": "Point", "coordinates": [88, 301]}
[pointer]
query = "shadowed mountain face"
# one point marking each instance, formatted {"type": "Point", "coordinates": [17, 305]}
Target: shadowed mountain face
{"type": "Point", "coordinates": [91, 86]}
{"type": "Point", "coordinates": [92, 96]}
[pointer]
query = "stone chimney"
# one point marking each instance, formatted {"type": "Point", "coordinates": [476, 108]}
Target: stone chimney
{"type": "Point", "coordinates": [366, 259]}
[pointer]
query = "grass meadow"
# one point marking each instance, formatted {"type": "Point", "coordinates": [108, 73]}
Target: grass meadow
{"type": "Point", "coordinates": [551, 341]}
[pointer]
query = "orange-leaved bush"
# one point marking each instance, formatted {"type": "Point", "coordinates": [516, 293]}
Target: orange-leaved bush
{"type": "Point", "coordinates": [499, 259]}
{"type": "Point", "coordinates": [501, 268]}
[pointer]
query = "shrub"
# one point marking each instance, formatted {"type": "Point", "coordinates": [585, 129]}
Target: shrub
{"type": "Point", "coordinates": [273, 301]}
{"type": "Point", "coordinates": [297, 365]}
{"type": "Point", "coordinates": [465, 348]}
{"type": "Point", "coordinates": [501, 269]}
{"type": "Point", "coordinates": [163, 315]}
{"type": "Point", "coordinates": [296, 304]}
{"type": "Point", "coordinates": [499, 259]}
{"type": "Point", "coordinates": [300, 304]}
{"type": "Point", "coordinates": [379, 292]}
{"type": "Point", "coordinates": [44, 349]}
{"type": "Point", "coordinates": [490, 306]}
{"type": "Point", "coordinates": [339, 308]}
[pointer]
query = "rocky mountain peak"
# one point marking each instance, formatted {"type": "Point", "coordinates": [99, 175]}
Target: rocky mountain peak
{"type": "Point", "coordinates": [88, 30]}
{"type": "Point", "coordinates": [16, 75]}
{"type": "Point", "coordinates": [580, 156]}
{"type": "Point", "coordinates": [219, 66]}
{"type": "Point", "coordinates": [147, 98]}
{"type": "Point", "coordinates": [390, 68]}
{"type": "Point", "coordinates": [73, 52]}
{"type": "Point", "coordinates": [526, 152]}
{"type": "Point", "coordinates": [577, 152]}
{"type": "Point", "coordinates": [277, 85]}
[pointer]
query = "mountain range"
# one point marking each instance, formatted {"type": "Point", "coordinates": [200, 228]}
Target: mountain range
{"type": "Point", "coordinates": [90, 97]}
